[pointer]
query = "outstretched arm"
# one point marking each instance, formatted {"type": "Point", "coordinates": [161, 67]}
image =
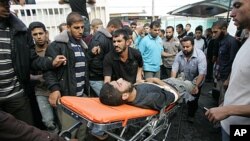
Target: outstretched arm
{"type": "Point", "coordinates": [219, 113]}
{"type": "Point", "coordinates": [13, 129]}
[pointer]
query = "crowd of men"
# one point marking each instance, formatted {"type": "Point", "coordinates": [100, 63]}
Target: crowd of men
{"type": "Point", "coordinates": [79, 62]}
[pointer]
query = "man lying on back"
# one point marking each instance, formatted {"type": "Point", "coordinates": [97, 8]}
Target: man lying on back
{"type": "Point", "coordinates": [151, 94]}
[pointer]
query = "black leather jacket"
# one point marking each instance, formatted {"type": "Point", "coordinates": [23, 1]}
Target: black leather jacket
{"type": "Point", "coordinates": [103, 39]}
{"type": "Point", "coordinates": [24, 57]}
{"type": "Point", "coordinates": [63, 77]}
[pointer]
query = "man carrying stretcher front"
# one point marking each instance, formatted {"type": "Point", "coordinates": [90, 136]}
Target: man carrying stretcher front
{"type": "Point", "coordinates": [151, 94]}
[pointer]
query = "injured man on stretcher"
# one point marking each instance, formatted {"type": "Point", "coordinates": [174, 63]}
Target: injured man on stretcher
{"type": "Point", "coordinates": [153, 93]}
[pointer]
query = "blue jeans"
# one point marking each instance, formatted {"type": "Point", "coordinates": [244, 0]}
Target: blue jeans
{"type": "Point", "coordinates": [96, 86]}
{"type": "Point", "coordinates": [46, 111]}
{"type": "Point", "coordinates": [224, 135]}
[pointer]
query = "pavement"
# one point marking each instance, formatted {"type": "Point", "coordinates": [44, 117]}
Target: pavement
{"type": "Point", "coordinates": [182, 130]}
{"type": "Point", "coordinates": [201, 129]}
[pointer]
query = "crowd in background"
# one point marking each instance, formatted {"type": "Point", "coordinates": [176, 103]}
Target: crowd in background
{"type": "Point", "coordinates": [85, 55]}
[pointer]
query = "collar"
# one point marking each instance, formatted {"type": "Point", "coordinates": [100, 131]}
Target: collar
{"type": "Point", "coordinates": [14, 23]}
{"type": "Point", "coordinates": [73, 40]}
{"type": "Point", "coordinates": [40, 49]}
{"type": "Point", "coordinates": [152, 38]}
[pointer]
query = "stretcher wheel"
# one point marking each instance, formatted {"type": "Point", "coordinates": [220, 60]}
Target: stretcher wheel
{"type": "Point", "coordinates": [66, 135]}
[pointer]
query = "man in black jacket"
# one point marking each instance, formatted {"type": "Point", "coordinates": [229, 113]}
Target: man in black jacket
{"type": "Point", "coordinates": [99, 46]}
{"type": "Point", "coordinates": [17, 57]}
{"type": "Point", "coordinates": [71, 79]}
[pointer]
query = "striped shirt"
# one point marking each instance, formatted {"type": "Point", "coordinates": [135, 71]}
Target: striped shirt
{"type": "Point", "coordinates": [80, 66]}
{"type": "Point", "coordinates": [9, 84]}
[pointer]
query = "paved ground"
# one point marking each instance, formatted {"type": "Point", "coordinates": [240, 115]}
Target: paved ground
{"type": "Point", "coordinates": [181, 130]}
{"type": "Point", "coordinates": [201, 129]}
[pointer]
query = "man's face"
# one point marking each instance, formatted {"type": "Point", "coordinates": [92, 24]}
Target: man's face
{"type": "Point", "coordinates": [187, 27]}
{"type": "Point", "coordinates": [241, 13]}
{"type": "Point", "coordinates": [4, 9]}
{"type": "Point", "coordinates": [133, 27]}
{"type": "Point", "coordinates": [146, 29]}
{"type": "Point", "coordinates": [95, 28]}
{"type": "Point", "coordinates": [187, 48]}
{"type": "Point", "coordinates": [76, 30]}
{"type": "Point", "coordinates": [178, 30]}
{"type": "Point", "coordinates": [122, 85]}
{"type": "Point", "coordinates": [169, 33]}
{"type": "Point", "coordinates": [120, 44]}
{"type": "Point", "coordinates": [155, 31]}
{"type": "Point", "coordinates": [39, 36]}
{"type": "Point", "coordinates": [217, 32]}
{"type": "Point", "coordinates": [198, 34]}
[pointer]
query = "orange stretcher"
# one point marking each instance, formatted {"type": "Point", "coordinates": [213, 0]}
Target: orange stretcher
{"type": "Point", "coordinates": [106, 118]}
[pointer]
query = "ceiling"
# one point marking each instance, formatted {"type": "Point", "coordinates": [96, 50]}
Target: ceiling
{"type": "Point", "coordinates": [206, 8]}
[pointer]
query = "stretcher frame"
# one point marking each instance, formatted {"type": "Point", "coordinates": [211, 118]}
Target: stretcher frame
{"type": "Point", "coordinates": [155, 124]}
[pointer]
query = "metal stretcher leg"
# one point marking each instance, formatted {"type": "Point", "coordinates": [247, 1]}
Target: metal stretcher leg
{"type": "Point", "coordinates": [67, 133]}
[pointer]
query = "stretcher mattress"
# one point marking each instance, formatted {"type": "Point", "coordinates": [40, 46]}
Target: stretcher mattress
{"type": "Point", "coordinates": [94, 110]}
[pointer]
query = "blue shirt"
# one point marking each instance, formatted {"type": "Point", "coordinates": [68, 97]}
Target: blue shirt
{"type": "Point", "coordinates": [151, 49]}
{"type": "Point", "coordinates": [196, 65]}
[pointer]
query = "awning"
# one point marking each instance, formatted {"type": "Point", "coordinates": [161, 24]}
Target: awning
{"type": "Point", "coordinates": [207, 8]}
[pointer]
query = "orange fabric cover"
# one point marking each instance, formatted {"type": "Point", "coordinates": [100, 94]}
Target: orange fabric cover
{"type": "Point", "coordinates": [94, 110]}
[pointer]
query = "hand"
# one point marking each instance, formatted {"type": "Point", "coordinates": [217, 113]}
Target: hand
{"type": "Point", "coordinates": [140, 81]}
{"type": "Point", "coordinates": [59, 60]}
{"type": "Point", "coordinates": [22, 2]}
{"type": "Point", "coordinates": [73, 140]}
{"type": "Point", "coordinates": [195, 90]}
{"type": "Point", "coordinates": [61, 2]}
{"type": "Point", "coordinates": [92, 2]}
{"type": "Point", "coordinates": [150, 79]}
{"type": "Point", "coordinates": [96, 50]}
{"type": "Point", "coordinates": [53, 97]}
{"type": "Point", "coordinates": [216, 114]}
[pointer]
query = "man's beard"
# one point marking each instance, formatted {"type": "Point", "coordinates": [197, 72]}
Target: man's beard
{"type": "Point", "coordinates": [122, 50]}
{"type": "Point", "coordinates": [188, 54]}
{"type": "Point", "coordinates": [221, 36]}
{"type": "Point", "coordinates": [169, 37]}
{"type": "Point", "coordinates": [129, 89]}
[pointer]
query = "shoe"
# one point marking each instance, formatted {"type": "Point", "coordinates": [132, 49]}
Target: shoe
{"type": "Point", "coordinates": [101, 137]}
{"type": "Point", "coordinates": [190, 119]}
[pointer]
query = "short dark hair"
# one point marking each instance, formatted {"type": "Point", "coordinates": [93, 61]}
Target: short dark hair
{"type": "Point", "coordinates": [37, 24]}
{"type": "Point", "coordinates": [110, 95]}
{"type": "Point", "coordinates": [171, 27]}
{"type": "Point", "coordinates": [133, 23]}
{"type": "Point", "coordinates": [220, 24]}
{"type": "Point", "coordinates": [146, 24]}
{"type": "Point", "coordinates": [128, 29]}
{"type": "Point", "coordinates": [199, 28]}
{"type": "Point", "coordinates": [73, 17]}
{"type": "Point", "coordinates": [123, 32]}
{"type": "Point", "coordinates": [155, 24]}
{"type": "Point", "coordinates": [209, 30]}
{"type": "Point", "coordinates": [61, 25]}
{"type": "Point", "coordinates": [180, 26]}
{"type": "Point", "coordinates": [115, 22]}
{"type": "Point", "coordinates": [188, 38]}
{"type": "Point", "coordinates": [162, 31]}
{"type": "Point", "coordinates": [188, 24]}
